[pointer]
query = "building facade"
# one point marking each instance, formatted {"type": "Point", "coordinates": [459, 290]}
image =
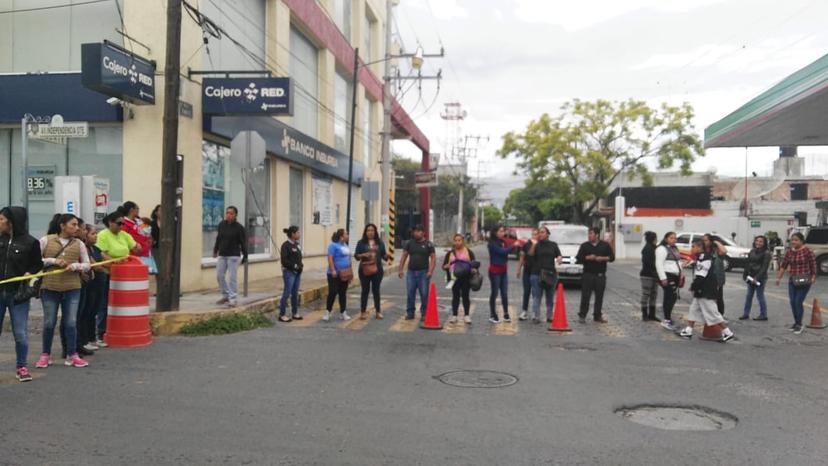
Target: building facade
{"type": "Point", "coordinates": [303, 180]}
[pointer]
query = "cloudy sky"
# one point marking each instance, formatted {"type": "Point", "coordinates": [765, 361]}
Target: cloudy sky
{"type": "Point", "coordinates": [509, 61]}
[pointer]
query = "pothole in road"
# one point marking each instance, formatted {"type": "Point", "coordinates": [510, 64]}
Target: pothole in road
{"type": "Point", "coordinates": [477, 379]}
{"type": "Point", "coordinates": [689, 418]}
{"type": "Point", "coordinates": [574, 347]}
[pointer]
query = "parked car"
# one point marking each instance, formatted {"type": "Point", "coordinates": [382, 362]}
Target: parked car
{"type": "Point", "coordinates": [817, 241]}
{"type": "Point", "coordinates": [518, 236]}
{"type": "Point", "coordinates": [569, 239]}
{"type": "Point", "coordinates": [736, 255]}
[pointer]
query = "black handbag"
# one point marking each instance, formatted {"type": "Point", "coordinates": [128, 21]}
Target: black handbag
{"type": "Point", "coordinates": [27, 289]}
{"type": "Point", "coordinates": [548, 278]}
{"type": "Point", "coordinates": [801, 281]}
{"type": "Point", "coordinates": [476, 280]}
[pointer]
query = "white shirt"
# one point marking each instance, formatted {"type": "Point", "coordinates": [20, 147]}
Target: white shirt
{"type": "Point", "coordinates": [665, 264]}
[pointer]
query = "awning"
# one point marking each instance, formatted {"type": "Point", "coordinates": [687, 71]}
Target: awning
{"type": "Point", "coordinates": [791, 113]}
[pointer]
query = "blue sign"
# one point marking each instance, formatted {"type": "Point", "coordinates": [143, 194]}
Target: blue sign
{"type": "Point", "coordinates": [43, 95]}
{"type": "Point", "coordinates": [110, 70]}
{"type": "Point", "coordinates": [247, 96]}
{"type": "Point", "coordinates": [289, 144]}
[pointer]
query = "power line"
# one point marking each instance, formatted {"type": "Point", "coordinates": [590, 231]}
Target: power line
{"type": "Point", "coordinates": [53, 7]}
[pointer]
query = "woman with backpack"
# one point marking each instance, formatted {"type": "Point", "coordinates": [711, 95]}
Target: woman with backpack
{"type": "Point", "coordinates": [668, 267]}
{"type": "Point", "coordinates": [458, 264]}
{"type": "Point", "coordinates": [755, 275]}
{"type": "Point", "coordinates": [62, 251]}
{"type": "Point", "coordinates": [370, 252]}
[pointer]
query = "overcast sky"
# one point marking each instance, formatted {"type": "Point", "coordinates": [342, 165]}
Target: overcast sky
{"type": "Point", "coordinates": [509, 61]}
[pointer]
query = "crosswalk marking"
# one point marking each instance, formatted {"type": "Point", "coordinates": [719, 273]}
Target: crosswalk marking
{"type": "Point", "coordinates": [459, 327]}
{"type": "Point", "coordinates": [402, 325]}
{"type": "Point", "coordinates": [356, 324]}
{"type": "Point", "coordinates": [507, 328]}
{"type": "Point", "coordinates": [309, 318]}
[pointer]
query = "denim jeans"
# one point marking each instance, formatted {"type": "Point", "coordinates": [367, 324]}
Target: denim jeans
{"type": "Point", "coordinates": [224, 265]}
{"type": "Point", "coordinates": [68, 302]}
{"type": "Point", "coordinates": [797, 298]}
{"type": "Point", "coordinates": [760, 296]}
{"type": "Point", "coordinates": [500, 283]}
{"type": "Point", "coordinates": [416, 281]}
{"type": "Point", "coordinates": [19, 314]}
{"type": "Point", "coordinates": [538, 292]}
{"type": "Point", "coordinates": [291, 291]}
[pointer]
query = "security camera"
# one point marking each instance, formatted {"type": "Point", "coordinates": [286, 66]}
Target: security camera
{"type": "Point", "coordinates": [114, 101]}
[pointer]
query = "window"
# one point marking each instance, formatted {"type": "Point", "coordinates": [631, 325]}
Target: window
{"type": "Point", "coordinates": [683, 239]}
{"type": "Point", "coordinates": [367, 51]}
{"type": "Point", "coordinates": [223, 185]}
{"type": "Point", "coordinates": [297, 196]}
{"type": "Point", "coordinates": [367, 133]}
{"type": "Point", "coordinates": [342, 17]}
{"type": "Point", "coordinates": [342, 114]}
{"type": "Point", "coordinates": [304, 69]}
{"type": "Point", "coordinates": [799, 191]}
{"type": "Point", "coordinates": [244, 20]}
{"type": "Point", "coordinates": [50, 39]}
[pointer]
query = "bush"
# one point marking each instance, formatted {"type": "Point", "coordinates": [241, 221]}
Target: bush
{"type": "Point", "coordinates": [225, 324]}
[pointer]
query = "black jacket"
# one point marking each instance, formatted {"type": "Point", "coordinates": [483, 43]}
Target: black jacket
{"type": "Point", "coordinates": [231, 240]}
{"type": "Point", "coordinates": [19, 251]}
{"type": "Point", "coordinates": [704, 284]}
{"type": "Point", "coordinates": [648, 261]}
{"type": "Point", "coordinates": [291, 256]}
{"type": "Point", "coordinates": [757, 265]}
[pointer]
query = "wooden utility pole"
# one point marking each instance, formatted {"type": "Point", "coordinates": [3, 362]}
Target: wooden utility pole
{"type": "Point", "coordinates": [168, 278]}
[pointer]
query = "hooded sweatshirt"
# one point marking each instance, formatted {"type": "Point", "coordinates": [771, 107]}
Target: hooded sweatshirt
{"type": "Point", "coordinates": [19, 251]}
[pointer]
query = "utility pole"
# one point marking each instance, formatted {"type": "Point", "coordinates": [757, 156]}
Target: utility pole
{"type": "Point", "coordinates": [167, 277]}
{"type": "Point", "coordinates": [385, 195]}
{"type": "Point", "coordinates": [463, 157]}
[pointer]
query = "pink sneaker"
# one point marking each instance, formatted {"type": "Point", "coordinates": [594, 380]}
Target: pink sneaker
{"type": "Point", "coordinates": [23, 375]}
{"type": "Point", "coordinates": [44, 361]}
{"type": "Point", "coordinates": [75, 360]}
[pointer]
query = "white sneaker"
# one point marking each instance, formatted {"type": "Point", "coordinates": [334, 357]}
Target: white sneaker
{"type": "Point", "coordinates": [467, 320]}
{"type": "Point", "coordinates": [668, 324]}
{"type": "Point", "coordinates": [523, 316]}
{"type": "Point", "coordinates": [453, 319]}
{"type": "Point", "coordinates": [327, 316]}
{"type": "Point", "coordinates": [494, 320]}
{"type": "Point", "coordinates": [344, 315]}
{"type": "Point", "coordinates": [91, 347]}
{"type": "Point", "coordinates": [450, 284]}
{"type": "Point", "coordinates": [727, 334]}
{"type": "Point", "coordinates": [101, 343]}
{"type": "Point", "coordinates": [687, 332]}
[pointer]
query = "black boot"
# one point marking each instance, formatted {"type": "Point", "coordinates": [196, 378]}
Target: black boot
{"type": "Point", "coordinates": [644, 315]}
{"type": "Point", "coordinates": [652, 314]}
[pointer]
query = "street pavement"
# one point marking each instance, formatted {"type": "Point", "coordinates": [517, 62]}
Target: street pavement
{"type": "Point", "coordinates": [367, 393]}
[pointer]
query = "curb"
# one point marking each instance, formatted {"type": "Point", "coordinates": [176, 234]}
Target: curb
{"type": "Point", "coordinates": [169, 323]}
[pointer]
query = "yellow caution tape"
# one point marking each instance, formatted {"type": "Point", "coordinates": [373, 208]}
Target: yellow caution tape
{"type": "Point", "coordinates": [23, 278]}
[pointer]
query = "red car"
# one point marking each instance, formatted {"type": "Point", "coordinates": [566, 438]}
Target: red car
{"type": "Point", "coordinates": [518, 236]}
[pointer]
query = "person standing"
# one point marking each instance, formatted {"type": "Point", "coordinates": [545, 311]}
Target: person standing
{"type": "Point", "coordinates": [95, 297]}
{"type": "Point", "coordinates": [231, 251]}
{"type": "Point", "coordinates": [755, 275]}
{"type": "Point", "coordinates": [458, 264]}
{"type": "Point", "coordinates": [132, 225]}
{"type": "Point", "coordinates": [340, 274]}
{"type": "Point", "coordinates": [800, 264]}
{"type": "Point", "coordinates": [62, 291]}
{"type": "Point", "coordinates": [649, 277]}
{"type": "Point", "coordinates": [292, 266]}
{"type": "Point", "coordinates": [703, 308]}
{"type": "Point", "coordinates": [114, 243]}
{"type": "Point", "coordinates": [594, 255]}
{"type": "Point", "coordinates": [370, 252]}
{"type": "Point", "coordinates": [546, 256]}
{"type": "Point", "coordinates": [155, 231]}
{"type": "Point", "coordinates": [498, 273]}
{"type": "Point", "coordinates": [423, 259]}
{"type": "Point", "coordinates": [718, 251]}
{"type": "Point", "coordinates": [668, 268]}
{"type": "Point", "coordinates": [19, 255]}
{"type": "Point", "coordinates": [523, 272]}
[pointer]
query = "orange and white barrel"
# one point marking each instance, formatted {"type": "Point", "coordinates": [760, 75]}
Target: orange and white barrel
{"type": "Point", "coordinates": [128, 323]}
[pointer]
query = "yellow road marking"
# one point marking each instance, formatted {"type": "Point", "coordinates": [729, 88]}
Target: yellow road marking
{"type": "Point", "coordinates": [459, 327]}
{"type": "Point", "coordinates": [508, 328]}
{"type": "Point", "coordinates": [309, 318]}
{"type": "Point", "coordinates": [356, 324]}
{"type": "Point", "coordinates": [402, 325]}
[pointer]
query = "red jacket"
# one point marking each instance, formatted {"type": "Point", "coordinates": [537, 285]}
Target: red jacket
{"type": "Point", "coordinates": [134, 230]}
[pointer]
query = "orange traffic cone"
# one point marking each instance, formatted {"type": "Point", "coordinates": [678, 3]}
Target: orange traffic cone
{"type": "Point", "coordinates": [816, 317]}
{"type": "Point", "coordinates": [712, 333]}
{"type": "Point", "coordinates": [559, 323]}
{"type": "Point", "coordinates": [432, 318]}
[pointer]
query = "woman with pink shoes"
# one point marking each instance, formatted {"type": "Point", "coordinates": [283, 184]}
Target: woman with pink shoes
{"type": "Point", "coordinates": [62, 251]}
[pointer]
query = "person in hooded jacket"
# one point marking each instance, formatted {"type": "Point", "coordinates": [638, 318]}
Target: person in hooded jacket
{"type": "Point", "coordinates": [19, 255]}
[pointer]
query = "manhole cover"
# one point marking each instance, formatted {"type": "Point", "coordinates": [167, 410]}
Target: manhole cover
{"type": "Point", "coordinates": [695, 418]}
{"type": "Point", "coordinates": [477, 379]}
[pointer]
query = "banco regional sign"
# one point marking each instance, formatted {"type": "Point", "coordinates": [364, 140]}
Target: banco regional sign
{"type": "Point", "coordinates": [110, 70]}
{"type": "Point", "coordinates": [246, 96]}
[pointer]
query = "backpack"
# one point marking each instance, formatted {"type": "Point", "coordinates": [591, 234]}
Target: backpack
{"type": "Point", "coordinates": [462, 268]}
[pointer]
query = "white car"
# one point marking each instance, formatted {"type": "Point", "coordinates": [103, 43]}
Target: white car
{"type": "Point", "coordinates": [736, 255]}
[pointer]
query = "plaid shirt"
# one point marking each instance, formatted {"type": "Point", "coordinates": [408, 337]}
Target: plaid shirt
{"type": "Point", "coordinates": [800, 262]}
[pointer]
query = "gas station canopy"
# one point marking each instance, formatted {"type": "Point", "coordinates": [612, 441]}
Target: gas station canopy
{"type": "Point", "coordinates": [791, 113]}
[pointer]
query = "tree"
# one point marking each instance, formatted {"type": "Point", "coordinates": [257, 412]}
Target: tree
{"type": "Point", "coordinates": [532, 203]}
{"type": "Point", "coordinates": [444, 199]}
{"type": "Point", "coordinates": [406, 196]}
{"type": "Point", "coordinates": [578, 154]}
{"type": "Point", "coordinates": [492, 216]}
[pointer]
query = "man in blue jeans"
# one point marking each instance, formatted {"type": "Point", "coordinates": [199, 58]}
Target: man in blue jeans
{"type": "Point", "coordinates": [420, 267]}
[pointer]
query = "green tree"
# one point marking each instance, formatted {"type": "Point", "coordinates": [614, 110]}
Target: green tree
{"type": "Point", "coordinates": [533, 203]}
{"type": "Point", "coordinates": [406, 196]}
{"type": "Point", "coordinates": [491, 216]}
{"type": "Point", "coordinates": [579, 153]}
{"type": "Point", "coordinates": [444, 197]}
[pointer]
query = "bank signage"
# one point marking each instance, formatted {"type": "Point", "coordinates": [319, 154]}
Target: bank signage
{"type": "Point", "coordinates": [110, 70]}
{"type": "Point", "coordinates": [247, 96]}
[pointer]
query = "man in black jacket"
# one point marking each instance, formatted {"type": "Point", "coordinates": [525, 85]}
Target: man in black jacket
{"type": "Point", "coordinates": [231, 250]}
{"type": "Point", "coordinates": [594, 255]}
{"type": "Point", "coordinates": [19, 255]}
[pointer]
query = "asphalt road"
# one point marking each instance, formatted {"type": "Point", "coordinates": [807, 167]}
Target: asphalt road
{"type": "Point", "coordinates": [365, 393]}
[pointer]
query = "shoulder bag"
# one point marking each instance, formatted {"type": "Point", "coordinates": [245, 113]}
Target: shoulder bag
{"type": "Point", "coordinates": [548, 278]}
{"type": "Point", "coordinates": [345, 275]}
{"type": "Point", "coordinates": [29, 289]}
{"type": "Point", "coordinates": [801, 281]}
